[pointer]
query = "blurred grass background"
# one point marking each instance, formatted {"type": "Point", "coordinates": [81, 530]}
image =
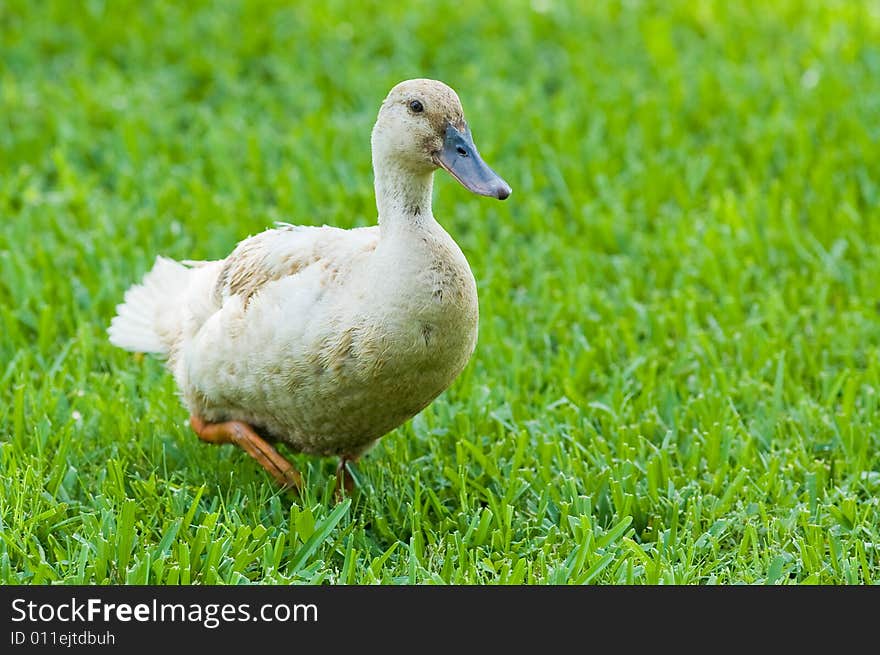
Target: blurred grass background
{"type": "Point", "coordinates": [678, 370]}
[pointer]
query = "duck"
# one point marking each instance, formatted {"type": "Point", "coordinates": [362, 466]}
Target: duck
{"type": "Point", "coordinates": [321, 338]}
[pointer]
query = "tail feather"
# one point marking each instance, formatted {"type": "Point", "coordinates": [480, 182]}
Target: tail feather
{"type": "Point", "coordinates": [141, 323]}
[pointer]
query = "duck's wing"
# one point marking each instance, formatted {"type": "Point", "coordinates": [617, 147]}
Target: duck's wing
{"type": "Point", "coordinates": [286, 251]}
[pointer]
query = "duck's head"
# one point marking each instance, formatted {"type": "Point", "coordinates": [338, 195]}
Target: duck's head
{"type": "Point", "coordinates": [421, 127]}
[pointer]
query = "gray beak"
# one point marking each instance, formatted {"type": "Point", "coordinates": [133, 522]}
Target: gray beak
{"type": "Point", "coordinates": [460, 157]}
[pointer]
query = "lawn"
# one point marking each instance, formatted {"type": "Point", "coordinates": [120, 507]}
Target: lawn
{"type": "Point", "coordinates": [677, 378]}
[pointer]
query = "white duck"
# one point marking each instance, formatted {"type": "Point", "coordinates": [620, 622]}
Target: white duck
{"type": "Point", "coordinates": [323, 338]}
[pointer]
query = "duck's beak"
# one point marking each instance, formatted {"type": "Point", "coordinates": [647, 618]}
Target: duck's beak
{"type": "Point", "coordinates": [460, 157]}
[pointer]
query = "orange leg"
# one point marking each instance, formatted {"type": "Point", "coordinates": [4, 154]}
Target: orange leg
{"type": "Point", "coordinates": [344, 478]}
{"type": "Point", "coordinates": [241, 434]}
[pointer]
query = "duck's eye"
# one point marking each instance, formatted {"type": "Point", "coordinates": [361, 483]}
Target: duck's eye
{"type": "Point", "coordinates": [416, 106]}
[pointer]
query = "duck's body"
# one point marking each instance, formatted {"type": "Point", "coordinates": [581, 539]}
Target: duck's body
{"type": "Point", "coordinates": [332, 353]}
{"type": "Point", "coordinates": [322, 338]}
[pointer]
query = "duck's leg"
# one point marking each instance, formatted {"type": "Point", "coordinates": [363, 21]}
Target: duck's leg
{"type": "Point", "coordinates": [243, 435]}
{"type": "Point", "coordinates": [344, 478]}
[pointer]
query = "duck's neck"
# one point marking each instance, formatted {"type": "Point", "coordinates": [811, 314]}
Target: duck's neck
{"type": "Point", "coordinates": [403, 198]}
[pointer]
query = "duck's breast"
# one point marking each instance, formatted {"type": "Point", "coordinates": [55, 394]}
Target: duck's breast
{"type": "Point", "coordinates": [425, 326]}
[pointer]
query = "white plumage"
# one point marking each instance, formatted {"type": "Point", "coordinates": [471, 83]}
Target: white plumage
{"type": "Point", "coordinates": [320, 337]}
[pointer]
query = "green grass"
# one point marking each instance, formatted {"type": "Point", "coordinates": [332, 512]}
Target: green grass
{"type": "Point", "coordinates": [678, 370]}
